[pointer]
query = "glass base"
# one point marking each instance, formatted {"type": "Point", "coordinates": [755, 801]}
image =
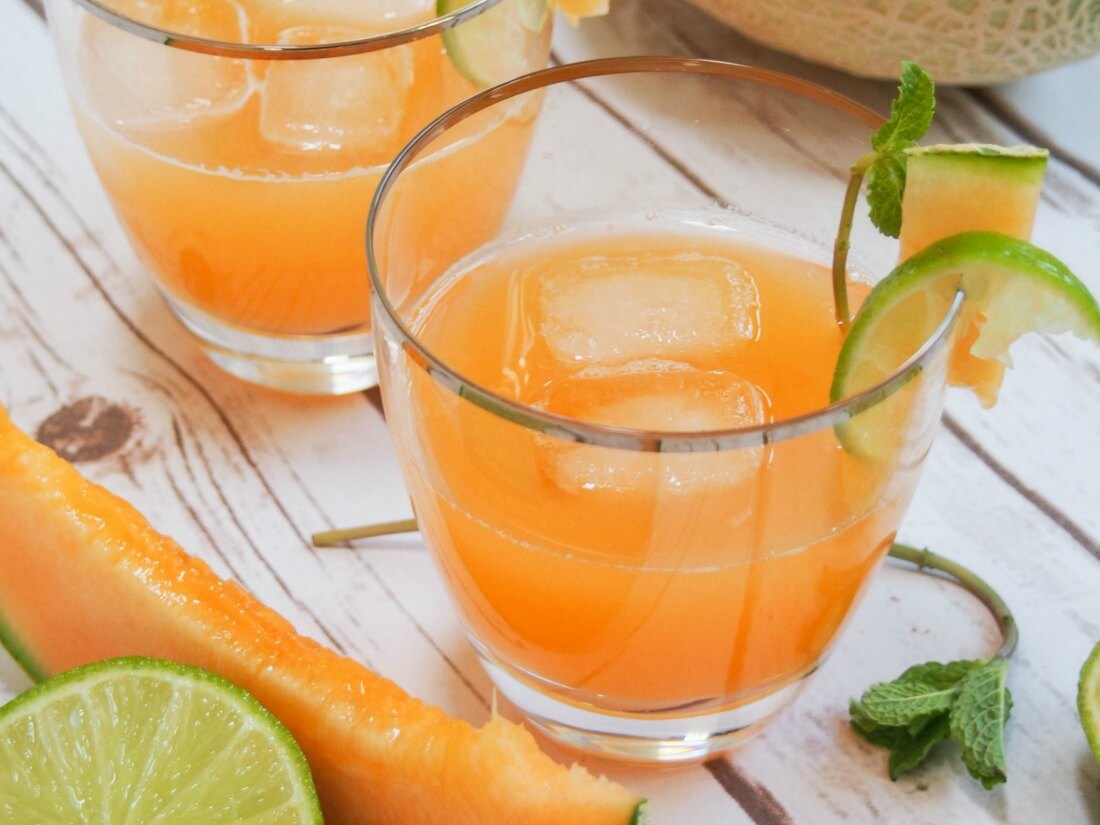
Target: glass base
{"type": "Point", "coordinates": [665, 737]}
{"type": "Point", "coordinates": [306, 364]}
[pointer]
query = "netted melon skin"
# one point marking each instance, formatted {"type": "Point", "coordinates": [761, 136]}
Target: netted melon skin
{"type": "Point", "coordinates": [956, 41]}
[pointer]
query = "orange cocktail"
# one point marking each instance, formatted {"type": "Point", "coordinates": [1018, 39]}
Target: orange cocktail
{"type": "Point", "coordinates": [243, 182]}
{"type": "Point", "coordinates": [615, 424]}
{"type": "Point", "coordinates": [648, 579]}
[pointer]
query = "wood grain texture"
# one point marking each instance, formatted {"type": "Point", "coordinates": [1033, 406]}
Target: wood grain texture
{"type": "Point", "coordinates": [241, 476]}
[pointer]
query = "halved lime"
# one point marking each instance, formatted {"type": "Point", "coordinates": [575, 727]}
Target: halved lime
{"type": "Point", "coordinates": [1088, 700]}
{"type": "Point", "coordinates": [1012, 287]}
{"type": "Point", "coordinates": [498, 44]}
{"type": "Point", "coordinates": [148, 741]}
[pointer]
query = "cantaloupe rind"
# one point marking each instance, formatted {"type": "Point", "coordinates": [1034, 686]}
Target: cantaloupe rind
{"type": "Point", "coordinates": [976, 42]}
{"type": "Point", "coordinates": [18, 651]}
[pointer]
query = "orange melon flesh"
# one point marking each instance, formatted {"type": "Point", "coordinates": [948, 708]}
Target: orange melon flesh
{"type": "Point", "coordinates": [967, 188]}
{"type": "Point", "coordinates": [576, 9]}
{"type": "Point", "coordinates": [85, 578]}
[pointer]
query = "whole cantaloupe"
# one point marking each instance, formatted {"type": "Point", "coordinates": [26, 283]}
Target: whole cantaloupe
{"type": "Point", "coordinates": [955, 41]}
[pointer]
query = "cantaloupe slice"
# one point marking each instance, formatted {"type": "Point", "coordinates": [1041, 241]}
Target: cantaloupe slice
{"type": "Point", "coordinates": [84, 577]}
{"type": "Point", "coordinates": [969, 187]}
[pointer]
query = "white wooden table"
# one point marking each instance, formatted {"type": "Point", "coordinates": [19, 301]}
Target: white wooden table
{"type": "Point", "coordinates": [241, 476]}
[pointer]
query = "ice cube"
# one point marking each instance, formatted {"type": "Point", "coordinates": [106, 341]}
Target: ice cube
{"type": "Point", "coordinates": [372, 16]}
{"type": "Point", "coordinates": [353, 102]}
{"type": "Point", "coordinates": [652, 394]}
{"type": "Point", "coordinates": [131, 82]}
{"type": "Point", "coordinates": [599, 310]}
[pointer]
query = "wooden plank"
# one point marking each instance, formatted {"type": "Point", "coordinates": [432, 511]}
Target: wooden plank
{"type": "Point", "coordinates": [241, 476]}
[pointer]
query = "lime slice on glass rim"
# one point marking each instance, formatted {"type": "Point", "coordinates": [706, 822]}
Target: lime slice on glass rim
{"type": "Point", "coordinates": [145, 740]}
{"type": "Point", "coordinates": [1011, 286]}
{"type": "Point", "coordinates": [497, 45]}
{"type": "Point", "coordinates": [1088, 700]}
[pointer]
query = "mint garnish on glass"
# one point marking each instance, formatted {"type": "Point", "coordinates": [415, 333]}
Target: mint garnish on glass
{"type": "Point", "coordinates": [884, 167]}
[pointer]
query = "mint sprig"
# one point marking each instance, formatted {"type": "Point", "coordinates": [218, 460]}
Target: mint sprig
{"type": "Point", "coordinates": [978, 721]}
{"type": "Point", "coordinates": [964, 701]}
{"type": "Point", "coordinates": [884, 167]}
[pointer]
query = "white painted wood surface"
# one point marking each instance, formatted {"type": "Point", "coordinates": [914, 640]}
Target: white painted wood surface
{"type": "Point", "coordinates": [241, 476]}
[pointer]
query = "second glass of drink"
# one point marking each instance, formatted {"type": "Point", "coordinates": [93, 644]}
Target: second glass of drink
{"type": "Point", "coordinates": [240, 142]}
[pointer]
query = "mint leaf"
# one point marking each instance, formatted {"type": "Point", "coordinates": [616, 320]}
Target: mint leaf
{"type": "Point", "coordinates": [885, 187]}
{"type": "Point", "coordinates": [964, 700]}
{"type": "Point", "coordinates": [910, 116]}
{"type": "Point", "coordinates": [911, 112]}
{"type": "Point", "coordinates": [911, 750]}
{"type": "Point", "coordinates": [872, 731]}
{"type": "Point", "coordinates": [978, 722]}
{"type": "Point", "coordinates": [908, 747]}
{"type": "Point", "coordinates": [939, 674]}
{"type": "Point", "coordinates": [922, 692]}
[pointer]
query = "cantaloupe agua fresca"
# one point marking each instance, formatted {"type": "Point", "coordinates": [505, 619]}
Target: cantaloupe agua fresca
{"type": "Point", "coordinates": [625, 579]}
{"type": "Point", "coordinates": [244, 184]}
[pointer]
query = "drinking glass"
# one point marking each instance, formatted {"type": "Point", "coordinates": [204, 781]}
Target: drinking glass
{"type": "Point", "coordinates": [657, 590]}
{"type": "Point", "coordinates": [240, 142]}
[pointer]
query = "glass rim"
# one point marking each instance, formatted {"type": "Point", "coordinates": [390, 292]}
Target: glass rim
{"type": "Point", "coordinates": [289, 51]}
{"type": "Point", "coordinates": [584, 432]}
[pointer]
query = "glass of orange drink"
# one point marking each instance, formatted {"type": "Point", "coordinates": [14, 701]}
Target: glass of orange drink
{"type": "Point", "coordinates": [240, 142]}
{"type": "Point", "coordinates": [614, 415]}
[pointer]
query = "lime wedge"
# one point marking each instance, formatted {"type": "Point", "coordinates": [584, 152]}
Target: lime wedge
{"type": "Point", "coordinates": [969, 187]}
{"type": "Point", "coordinates": [1088, 700]}
{"type": "Point", "coordinates": [148, 741]}
{"type": "Point", "coordinates": [499, 44]}
{"type": "Point", "coordinates": [1011, 288]}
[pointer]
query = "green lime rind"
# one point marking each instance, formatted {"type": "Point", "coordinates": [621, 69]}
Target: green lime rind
{"type": "Point", "coordinates": [980, 264]}
{"type": "Point", "coordinates": [1022, 164]}
{"type": "Point", "coordinates": [988, 150]}
{"type": "Point", "coordinates": [1088, 700]}
{"type": "Point", "coordinates": [494, 46]}
{"type": "Point", "coordinates": [641, 813]}
{"type": "Point", "coordinates": [20, 652]}
{"type": "Point", "coordinates": [1016, 286]}
{"type": "Point", "coordinates": [45, 721]}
